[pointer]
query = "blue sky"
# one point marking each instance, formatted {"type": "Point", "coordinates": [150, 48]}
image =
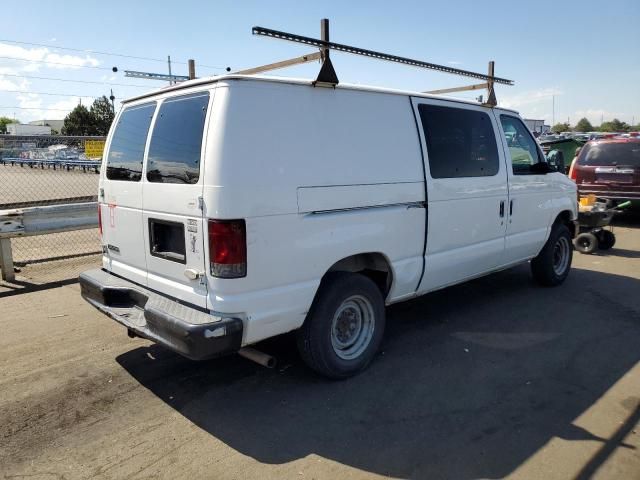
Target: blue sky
{"type": "Point", "coordinates": [586, 54]}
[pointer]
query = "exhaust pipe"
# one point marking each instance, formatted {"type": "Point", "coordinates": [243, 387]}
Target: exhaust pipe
{"type": "Point", "coordinates": [258, 357]}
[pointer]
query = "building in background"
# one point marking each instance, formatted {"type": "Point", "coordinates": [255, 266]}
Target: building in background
{"type": "Point", "coordinates": [537, 126]}
{"type": "Point", "coordinates": [27, 129]}
{"type": "Point", "coordinates": [54, 124]}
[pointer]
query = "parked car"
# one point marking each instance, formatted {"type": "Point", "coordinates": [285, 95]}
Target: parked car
{"type": "Point", "coordinates": [609, 169]}
{"type": "Point", "coordinates": [237, 208]}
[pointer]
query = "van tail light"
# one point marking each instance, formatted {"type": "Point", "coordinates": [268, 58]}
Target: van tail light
{"type": "Point", "coordinates": [228, 248]}
{"type": "Point", "coordinates": [100, 219]}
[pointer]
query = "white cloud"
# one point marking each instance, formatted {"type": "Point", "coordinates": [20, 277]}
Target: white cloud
{"type": "Point", "coordinates": [530, 99]}
{"type": "Point", "coordinates": [29, 100]}
{"type": "Point", "coordinates": [35, 108]}
{"type": "Point", "coordinates": [33, 59]}
{"type": "Point", "coordinates": [596, 116]}
{"type": "Point", "coordinates": [454, 63]}
{"type": "Point", "coordinates": [11, 84]}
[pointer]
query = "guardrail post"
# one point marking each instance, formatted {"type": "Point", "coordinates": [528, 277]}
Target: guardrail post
{"type": "Point", "coordinates": [6, 260]}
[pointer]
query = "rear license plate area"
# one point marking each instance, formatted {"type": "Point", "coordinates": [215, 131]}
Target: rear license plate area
{"type": "Point", "coordinates": [166, 240]}
{"type": "Point", "coordinates": [614, 175]}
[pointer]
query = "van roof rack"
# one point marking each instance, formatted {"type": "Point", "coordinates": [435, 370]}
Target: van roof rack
{"type": "Point", "coordinates": [328, 77]}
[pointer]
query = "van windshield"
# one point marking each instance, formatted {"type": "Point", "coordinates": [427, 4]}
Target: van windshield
{"type": "Point", "coordinates": [610, 154]}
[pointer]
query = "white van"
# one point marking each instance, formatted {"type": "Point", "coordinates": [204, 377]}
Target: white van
{"type": "Point", "coordinates": [239, 207]}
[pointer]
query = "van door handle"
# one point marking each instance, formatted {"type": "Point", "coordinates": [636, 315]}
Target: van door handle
{"type": "Point", "coordinates": [511, 208]}
{"type": "Point", "coordinates": [501, 208]}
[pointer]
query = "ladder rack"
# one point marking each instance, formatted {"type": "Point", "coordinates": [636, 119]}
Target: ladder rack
{"type": "Point", "coordinates": [328, 77]}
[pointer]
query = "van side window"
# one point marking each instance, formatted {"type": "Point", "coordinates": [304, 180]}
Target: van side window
{"type": "Point", "coordinates": [523, 148]}
{"type": "Point", "coordinates": [460, 142]}
{"type": "Point", "coordinates": [176, 141]}
{"type": "Point", "coordinates": [127, 145]}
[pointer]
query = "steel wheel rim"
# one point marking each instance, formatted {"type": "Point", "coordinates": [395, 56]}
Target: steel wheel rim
{"type": "Point", "coordinates": [561, 252]}
{"type": "Point", "coordinates": [352, 327]}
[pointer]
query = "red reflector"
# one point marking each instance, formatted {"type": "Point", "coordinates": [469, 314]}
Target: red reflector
{"type": "Point", "coordinates": [100, 219]}
{"type": "Point", "coordinates": [228, 248]}
{"type": "Point", "coordinates": [573, 171]}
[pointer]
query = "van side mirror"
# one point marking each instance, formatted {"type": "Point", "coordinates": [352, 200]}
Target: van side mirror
{"type": "Point", "coordinates": [556, 159]}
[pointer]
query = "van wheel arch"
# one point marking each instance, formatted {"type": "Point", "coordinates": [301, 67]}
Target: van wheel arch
{"type": "Point", "coordinates": [373, 265]}
{"type": "Point", "coordinates": [564, 218]}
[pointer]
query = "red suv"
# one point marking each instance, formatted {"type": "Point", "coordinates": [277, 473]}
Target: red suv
{"type": "Point", "coordinates": [609, 169]}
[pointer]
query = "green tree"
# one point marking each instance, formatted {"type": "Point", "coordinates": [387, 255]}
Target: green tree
{"type": "Point", "coordinates": [79, 122]}
{"type": "Point", "coordinates": [560, 127]}
{"type": "Point", "coordinates": [102, 113]}
{"type": "Point", "coordinates": [4, 121]}
{"type": "Point", "coordinates": [614, 125]}
{"type": "Point", "coordinates": [584, 125]}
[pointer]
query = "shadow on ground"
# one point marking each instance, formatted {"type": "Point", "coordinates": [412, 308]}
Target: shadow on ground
{"type": "Point", "coordinates": [471, 382]}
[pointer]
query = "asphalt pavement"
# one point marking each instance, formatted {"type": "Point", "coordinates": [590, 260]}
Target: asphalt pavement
{"type": "Point", "coordinates": [489, 379]}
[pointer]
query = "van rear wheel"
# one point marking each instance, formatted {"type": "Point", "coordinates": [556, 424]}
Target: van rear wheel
{"type": "Point", "coordinates": [553, 263]}
{"type": "Point", "coordinates": [344, 328]}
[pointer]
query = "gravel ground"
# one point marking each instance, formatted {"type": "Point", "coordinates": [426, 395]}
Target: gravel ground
{"type": "Point", "coordinates": [490, 379]}
{"type": "Point", "coordinates": [24, 184]}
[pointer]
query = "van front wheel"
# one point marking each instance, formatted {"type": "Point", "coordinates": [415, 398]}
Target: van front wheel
{"type": "Point", "coordinates": [552, 265]}
{"type": "Point", "coordinates": [344, 328]}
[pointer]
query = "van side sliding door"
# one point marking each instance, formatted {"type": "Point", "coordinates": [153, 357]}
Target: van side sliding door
{"type": "Point", "coordinates": [467, 185]}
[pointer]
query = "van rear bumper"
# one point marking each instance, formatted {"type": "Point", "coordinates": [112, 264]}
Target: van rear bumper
{"type": "Point", "coordinates": [186, 330]}
{"type": "Point", "coordinates": [620, 194]}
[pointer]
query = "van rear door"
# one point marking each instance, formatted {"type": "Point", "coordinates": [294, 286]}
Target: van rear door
{"type": "Point", "coordinates": [172, 218]}
{"type": "Point", "coordinates": [121, 194]}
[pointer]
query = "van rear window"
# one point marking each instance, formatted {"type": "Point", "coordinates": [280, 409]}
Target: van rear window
{"type": "Point", "coordinates": [460, 142]}
{"type": "Point", "coordinates": [127, 145]}
{"type": "Point", "coordinates": [176, 141]}
{"type": "Point", "coordinates": [610, 154]}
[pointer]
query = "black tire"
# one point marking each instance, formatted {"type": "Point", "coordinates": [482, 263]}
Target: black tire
{"type": "Point", "coordinates": [606, 239]}
{"type": "Point", "coordinates": [586, 243]}
{"type": "Point", "coordinates": [318, 334]}
{"type": "Point", "coordinates": [552, 265]}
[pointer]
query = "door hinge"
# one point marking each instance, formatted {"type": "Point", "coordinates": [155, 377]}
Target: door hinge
{"type": "Point", "coordinates": [201, 203]}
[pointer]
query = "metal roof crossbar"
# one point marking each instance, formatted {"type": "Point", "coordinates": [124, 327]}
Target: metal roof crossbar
{"type": "Point", "coordinates": [154, 76]}
{"type": "Point", "coordinates": [285, 63]}
{"type": "Point", "coordinates": [327, 75]}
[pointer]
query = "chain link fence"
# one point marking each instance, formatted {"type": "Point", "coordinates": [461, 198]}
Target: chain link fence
{"type": "Point", "coordinates": [49, 170]}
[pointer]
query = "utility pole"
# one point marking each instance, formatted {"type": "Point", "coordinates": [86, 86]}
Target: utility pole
{"type": "Point", "coordinates": [112, 98]}
{"type": "Point", "coordinates": [170, 76]}
{"type": "Point", "coordinates": [192, 68]}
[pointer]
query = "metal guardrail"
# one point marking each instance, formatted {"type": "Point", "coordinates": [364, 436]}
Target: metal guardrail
{"type": "Point", "coordinates": [22, 222]}
{"type": "Point", "coordinates": [62, 164]}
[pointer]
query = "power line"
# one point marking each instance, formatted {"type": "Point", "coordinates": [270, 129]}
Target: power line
{"type": "Point", "coordinates": [57, 63]}
{"type": "Point", "coordinates": [38, 108]}
{"type": "Point", "coordinates": [75, 81]}
{"type": "Point", "coordinates": [97, 52]}
{"type": "Point", "coordinates": [48, 93]}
